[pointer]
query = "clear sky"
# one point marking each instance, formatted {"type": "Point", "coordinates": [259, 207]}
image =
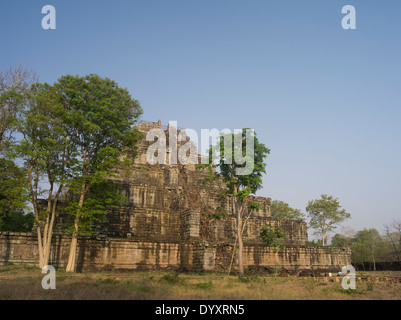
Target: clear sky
{"type": "Point", "coordinates": [325, 100]}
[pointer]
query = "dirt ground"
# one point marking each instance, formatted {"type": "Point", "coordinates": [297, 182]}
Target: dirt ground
{"type": "Point", "coordinates": [19, 282]}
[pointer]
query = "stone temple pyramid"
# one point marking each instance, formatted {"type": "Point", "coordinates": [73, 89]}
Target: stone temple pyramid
{"type": "Point", "coordinates": [168, 224]}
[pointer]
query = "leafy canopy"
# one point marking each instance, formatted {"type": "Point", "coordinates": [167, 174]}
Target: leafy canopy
{"type": "Point", "coordinates": [230, 145]}
{"type": "Point", "coordinates": [270, 235]}
{"type": "Point", "coordinates": [326, 213]}
{"type": "Point", "coordinates": [281, 210]}
{"type": "Point", "coordinates": [100, 116]}
{"type": "Point", "coordinates": [100, 199]}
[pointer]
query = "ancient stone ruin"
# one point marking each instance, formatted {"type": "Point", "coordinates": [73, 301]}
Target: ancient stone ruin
{"type": "Point", "coordinates": [168, 224]}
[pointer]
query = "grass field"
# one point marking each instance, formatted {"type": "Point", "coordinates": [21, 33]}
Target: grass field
{"type": "Point", "coordinates": [19, 282]}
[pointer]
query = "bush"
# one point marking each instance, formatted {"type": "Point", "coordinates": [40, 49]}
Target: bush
{"type": "Point", "coordinates": [205, 285]}
{"type": "Point", "coordinates": [270, 236]}
{"type": "Point", "coordinates": [172, 278]}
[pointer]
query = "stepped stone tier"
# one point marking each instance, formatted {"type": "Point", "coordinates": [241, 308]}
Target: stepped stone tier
{"type": "Point", "coordinates": [170, 223]}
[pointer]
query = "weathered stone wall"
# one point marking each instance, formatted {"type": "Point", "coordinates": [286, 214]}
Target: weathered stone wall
{"type": "Point", "coordinates": [190, 223]}
{"type": "Point", "coordinates": [103, 253]}
{"type": "Point", "coordinates": [16, 247]}
{"type": "Point", "coordinates": [128, 254]}
{"type": "Point", "coordinates": [171, 225]}
{"type": "Point", "coordinates": [290, 258]}
{"type": "Point", "coordinates": [225, 230]}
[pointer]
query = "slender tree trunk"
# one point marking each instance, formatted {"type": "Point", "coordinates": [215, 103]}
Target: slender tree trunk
{"type": "Point", "coordinates": [374, 258]}
{"type": "Point", "coordinates": [239, 237]}
{"type": "Point", "coordinates": [45, 238]}
{"type": "Point", "coordinates": [40, 247]}
{"type": "Point", "coordinates": [74, 240]}
{"type": "Point", "coordinates": [232, 256]}
{"type": "Point", "coordinates": [399, 248]}
{"type": "Point", "coordinates": [48, 236]}
{"type": "Point", "coordinates": [240, 248]}
{"type": "Point", "coordinates": [73, 249]}
{"type": "Point", "coordinates": [44, 242]}
{"type": "Point", "coordinates": [32, 182]}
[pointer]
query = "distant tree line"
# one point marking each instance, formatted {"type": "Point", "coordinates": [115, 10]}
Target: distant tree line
{"type": "Point", "coordinates": [370, 249]}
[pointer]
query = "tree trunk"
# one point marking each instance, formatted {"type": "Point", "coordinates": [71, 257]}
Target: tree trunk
{"type": "Point", "coordinates": [374, 258]}
{"type": "Point", "coordinates": [46, 240]}
{"type": "Point", "coordinates": [48, 237]}
{"type": "Point", "coordinates": [240, 244]}
{"type": "Point", "coordinates": [73, 249]}
{"type": "Point", "coordinates": [240, 258]}
{"type": "Point", "coordinates": [74, 240]}
{"type": "Point", "coordinates": [40, 247]}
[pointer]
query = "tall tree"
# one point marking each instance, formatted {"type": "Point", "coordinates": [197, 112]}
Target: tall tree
{"type": "Point", "coordinates": [100, 117]}
{"type": "Point", "coordinates": [232, 156]}
{"type": "Point", "coordinates": [368, 247]}
{"type": "Point", "coordinates": [47, 153]}
{"type": "Point", "coordinates": [281, 210]}
{"type": "Point", "coordinates": [325, 215]}
{"type": "Point", "coordinates": [14, 85]}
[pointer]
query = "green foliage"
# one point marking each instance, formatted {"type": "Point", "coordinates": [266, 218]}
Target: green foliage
{"type": "Point", "coordinates": [325, 214]}
{"type": "Point", "coordinates": [102, 197]}
{"type": "Point", "coordinates": [14, 90]}
{"type": "Point", "coordinates": [99, 117]}
{"type": "Point", "coordinates": [368, 246]}
{"type": "Point", "coordinates": [252, 278]}
{"type": "Point", "coordinates": [369, 286]}
{"type": "Point", "coordinates": [205, 285]}
{"type": "Point", "coordinates": [281, 210]}
{"type": "Point", "coordinates": [74, 133]}
{"type": "Point", "coordinates": [350, 291]}
{"type": "Point", "coordinates": [270, 235]}
{"type": "Point", "coordinates": [172, 278]}
{"type": "Point", "coordinates": [45, 148]}
{"type": "Point", "coordinates": [315, 243]}
{"type": "Point", "coordinates": [219, 214]}
{"type": "Point", "coordinates": [340, 240]}
{"type": "Point", "coordinates": [239, 161]}
{"type": "Point", "coordinates": [211, 174]}
{"type": "Point", "coordinates": [220, 211]}
{"type": "Point", "coordinates": [254, 206]}
{"type": "Point", "coordinates": [240, 186]}
{"type": "Point", "coordinates": [18, 222]}
{"type": "Point", "coordinates": [13, 198]}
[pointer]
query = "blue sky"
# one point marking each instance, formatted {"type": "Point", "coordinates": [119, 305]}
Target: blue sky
{"type": "Point", "coordinates": [325, 100]}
